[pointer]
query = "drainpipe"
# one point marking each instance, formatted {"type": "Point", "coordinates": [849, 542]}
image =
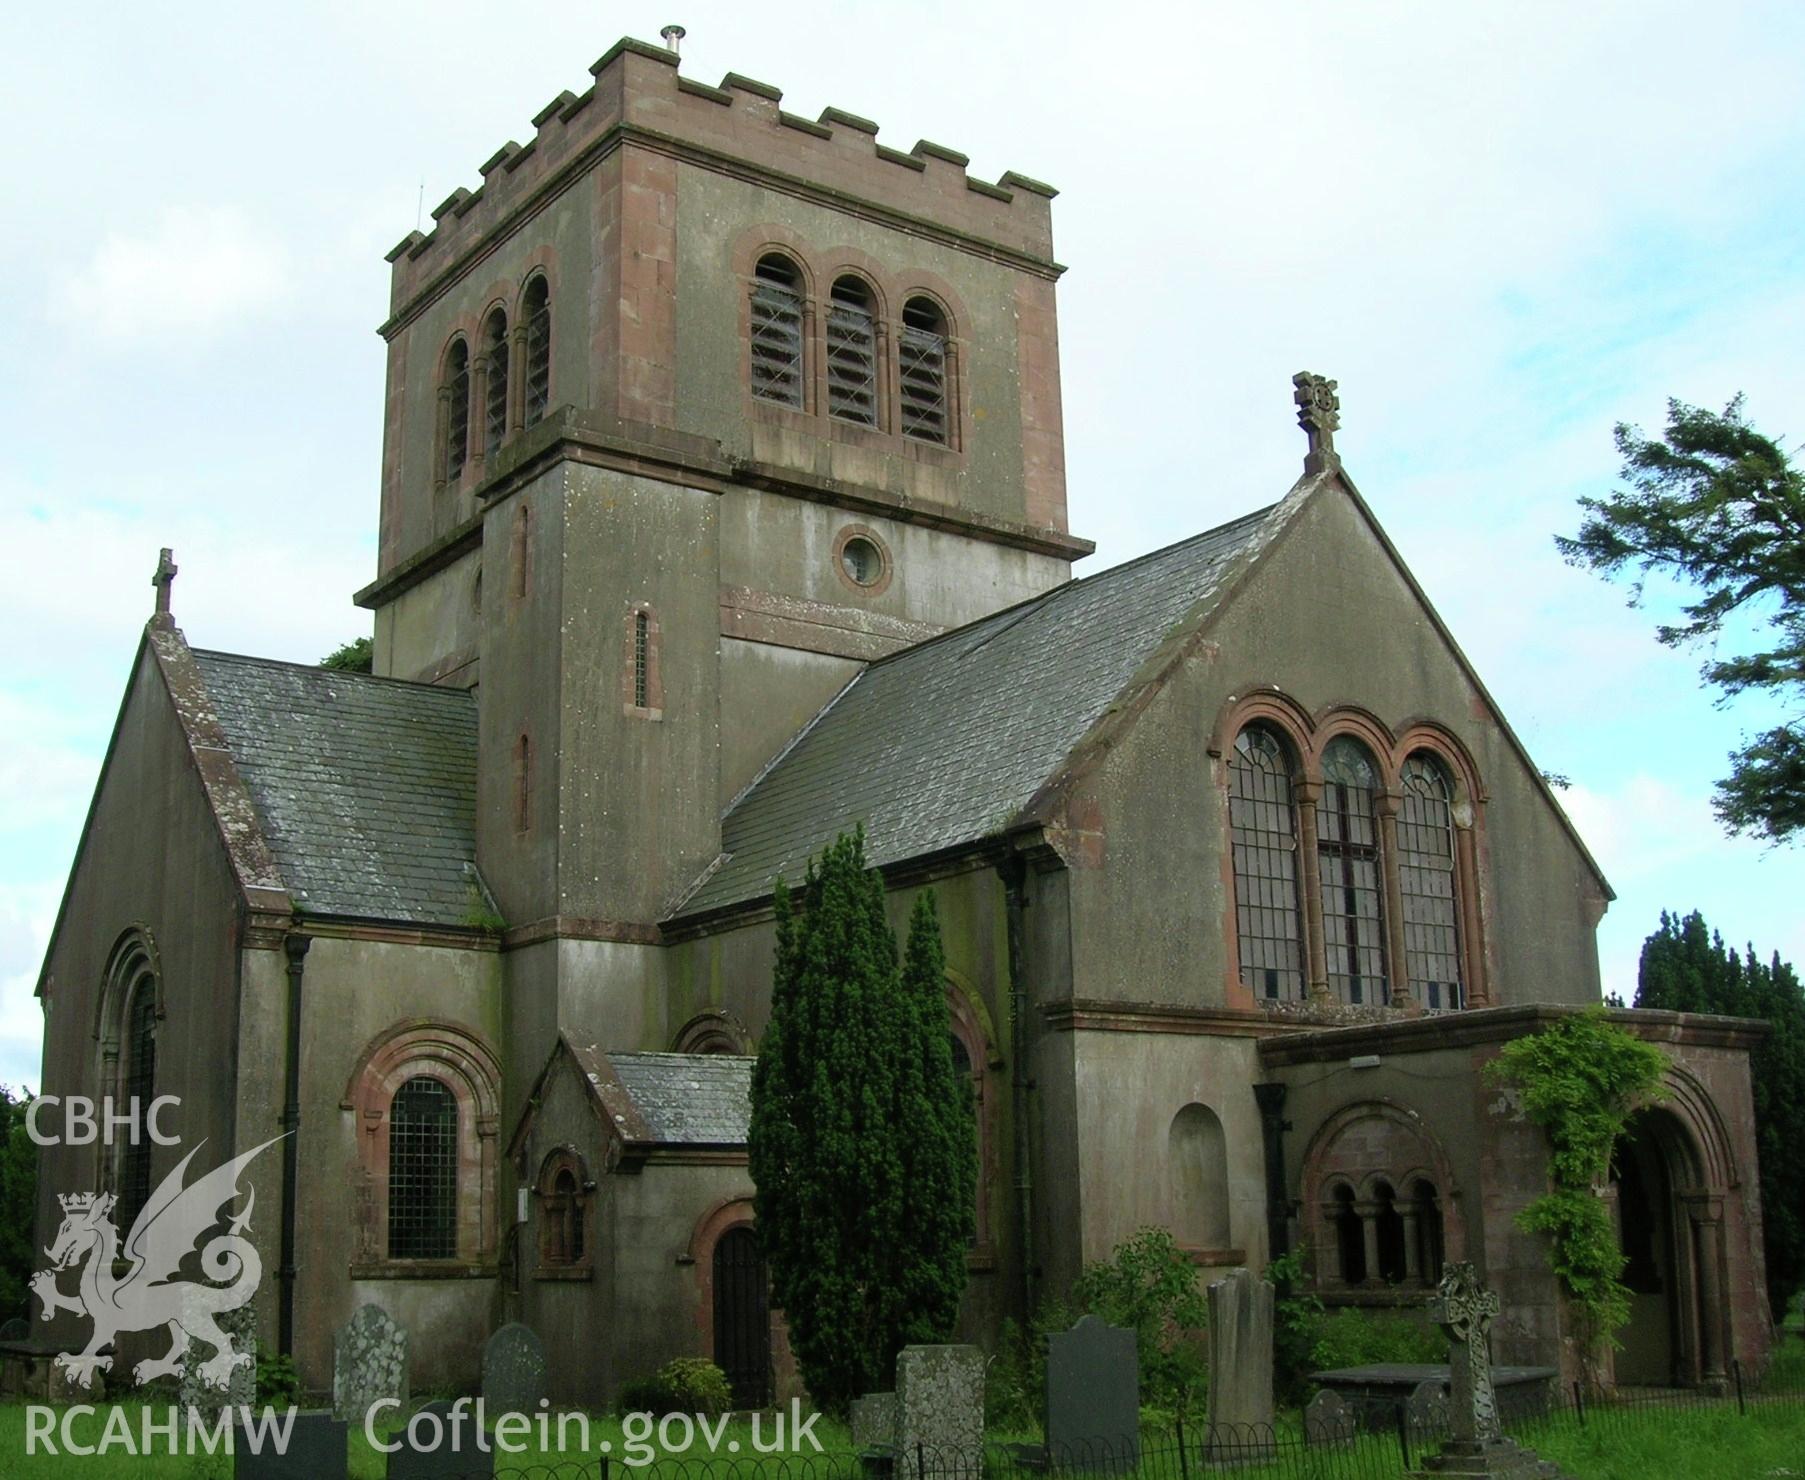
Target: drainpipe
{"type": "Point", "coordinates": [1013, 872]}
{"type": "Point", "coordinates": [294, 946]}
{"type": "Point", "coordinates": [1271, 1099]}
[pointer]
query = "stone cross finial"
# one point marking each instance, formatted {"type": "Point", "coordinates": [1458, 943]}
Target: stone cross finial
{"type": "Point", "coordinates": [1319, 414]}
{"type": "Point", "coordinates": [1465, 1310]}
{"type": "Point", "coordinates": [163, 580]}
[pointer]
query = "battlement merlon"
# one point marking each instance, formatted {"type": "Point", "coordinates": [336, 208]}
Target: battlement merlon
{"type": "Point", "coordinates": [639, 97]}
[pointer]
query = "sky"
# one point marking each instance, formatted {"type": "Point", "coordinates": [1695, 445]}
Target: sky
{"type": "Point", "coordinates": [1502, 229]}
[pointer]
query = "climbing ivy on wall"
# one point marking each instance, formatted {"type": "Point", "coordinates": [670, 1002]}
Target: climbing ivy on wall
{"type": "Point", "coordinates": [1580, 1080]}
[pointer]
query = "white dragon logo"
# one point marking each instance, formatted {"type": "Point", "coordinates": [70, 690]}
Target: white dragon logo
{"type": "Point", "coordinates": [148, 1293]}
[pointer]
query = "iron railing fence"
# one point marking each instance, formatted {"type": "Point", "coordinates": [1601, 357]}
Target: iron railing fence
{"type": "Point", "coordinates": [1380, 1446]}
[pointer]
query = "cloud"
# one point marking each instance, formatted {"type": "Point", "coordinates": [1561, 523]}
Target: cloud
{"type": "Point", "coordinates": [26, 917]}
{"type": "Point", "coordinates": [194, 271]}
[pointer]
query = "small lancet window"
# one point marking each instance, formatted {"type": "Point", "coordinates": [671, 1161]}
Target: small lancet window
{"type": "Point", "coordinates": [495, 383]}
{"type": "Point", "coordinates": [1347, 832]}
{"type": "Point", "coordinates": [852, 353]}
{"type": "Point", "coordinates": [642, 660]}
{"type": "Point", "coordinates": [921, 358]}
{"type": "Point", "coordinates": [523, 784]}
{"type": "Point", "coordinates": [423, 1170]}
{"type": "Point", "coordinates": [457, 410]}
{"type": "Point", "coordinates": [536, 310]}
{"type": "Point", "coordinates": [140, 1090]}
{"type": "Point", "coordinates": [776, 366]}
{"type": "Point", "coordinates": [1426, 881]}
{"type": "Point", "coordinates": [1263, 836]}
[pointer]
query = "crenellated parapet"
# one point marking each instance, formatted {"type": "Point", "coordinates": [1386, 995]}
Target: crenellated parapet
{"type": "Point", "coordinates": [640, 98]}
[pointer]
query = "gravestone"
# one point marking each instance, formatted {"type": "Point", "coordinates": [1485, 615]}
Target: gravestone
{"type": "Point", "coordinates": [1093, 1397]}
{"type": "Point", "coordinates": [1328, 1419]}
{"type": "Point", "coordinates": [1426, 1409]}
{"type": "Point", "coordinates": [434, 1447]}
{"type": "Point", "coordinates": [939, 1412]}
{"type": "Point", "coordinates": [513, 1371]}
{"type": "Point", "coordinates": [15, 1330]}
{"type": "Point", "coordinates": [369, 1363]}
{"type": "Point", "coordinates": [1465, 1309]}
{"type": "Point", "coordinates": [315, 1449]}
{"type": "Point", "coordinates": [194, 1392]}
{"type": "Point", "coordinates": [1241, 1364]}
{"type": "Point", "coordinates": [873, 1421]}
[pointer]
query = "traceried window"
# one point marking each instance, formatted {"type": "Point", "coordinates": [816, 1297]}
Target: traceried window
{"type": "Point", "coordinates": [536, 311]}
{"type": "Point", "coordinates": [1347, 840]}
{"type": "Point", "coordinates": [921, 357]}
{"type": "Point", "coordinates": [1263, 831]}
{"type": "Point", "coordinates": [1427, 885]}
{"type": "Point", "coordinates": [495, 382]}
{"type": "Point", "coordinates": [423, 1170]}
{"type": "Point", "coordinates": [140, 1090]}
{"type": "Point", "coordinates": [776, 334]}
{"type": "Point", "coordinates": [852, 353]}
{"type": "Point", "coordinates": [457, 409]}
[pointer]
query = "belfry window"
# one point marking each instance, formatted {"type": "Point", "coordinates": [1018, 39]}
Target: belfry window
{"type": "Point", "coordinates": [457, 410]}
{"type": "Point", "coordinates": [776, 331]}
{"type": "Point", "coordinates": [536, 310]}
{"type": "Point", "coordinates": [852, 353]}
{"type": "Point", "coordinates": [1347, 838]}
{"type": "Point", "coordinates": [642, 660]}
{"type": "Point", "coordinates": [1263, 833]}
{"type": "Point", "coordinates": [423, 1170]}
{"type": "Point", "coordinates": [1426, 883]}
{"type": "Point", "coordinates": [921, 359]}
{"type": "Point", "coordinates": [495, 382]}
{"type": "Point", "coordinates": [140, 1090]}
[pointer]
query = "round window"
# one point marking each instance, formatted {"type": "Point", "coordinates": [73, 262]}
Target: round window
{"type": "Point", "coordinates": [862, 561]}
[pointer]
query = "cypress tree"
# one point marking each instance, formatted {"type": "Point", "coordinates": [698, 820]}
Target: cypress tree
{"type": "Point", "coordinates": [1685, 968]}
{"type": "Point", "coordinates": [858, 1187]}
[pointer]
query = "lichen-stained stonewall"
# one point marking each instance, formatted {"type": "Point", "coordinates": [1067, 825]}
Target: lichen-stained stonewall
{"type": "Point", "coordinates": [723, 510]}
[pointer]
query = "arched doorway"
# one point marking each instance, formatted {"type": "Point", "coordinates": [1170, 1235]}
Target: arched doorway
{"type": "Point", "coordinates": [742, 1317]}
{"type": "Point", "coordinates": [1669, 1226]}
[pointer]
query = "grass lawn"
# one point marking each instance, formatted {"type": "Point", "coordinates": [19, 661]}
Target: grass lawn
{"type": "Point", "coordinates": [1679, 1444]}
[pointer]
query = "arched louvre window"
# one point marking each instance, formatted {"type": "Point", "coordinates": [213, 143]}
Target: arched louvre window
{"type": "Point", "coordinates": [140, 1090]}
{"type": "Point", "coordinates": [642, 659]}
{"type": "Point", "coordinates": [457, 409]}
{"type": "Point", "coordinates": [423, 1170]}
{"type": "Point", "coordinates": [852, 353]}
{"type": "Point", "coordinates": [536, 309]}
{"type": "Point", "coordinates": [777, 331]}
{"type": "Point", "coordinates": [1263, 833]}
{"type": "Point", "coordinates": [1426, 882]}
{"type": "Point", "coordinates": [495, 383]}
{"type": "Point", "coordinates": [921, 356]}
{"type": "Point", "coordinates": [1347, 833]}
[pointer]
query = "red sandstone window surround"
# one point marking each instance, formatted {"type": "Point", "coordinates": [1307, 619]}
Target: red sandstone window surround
{"type": "Point", "coordinates": [565, 1193]}
{"type": "Point", "coordinates": [495, 382]}
{"type": "Point", "coordinates": [536, 310]}
{"type": "Point", "coordinates": [1353, 859]}
{"type": "Point", "coordinates": [777, 364]}
{"type": "Point", "coordinates": [454, 412]}
{"type": "Point", "coordinates": [853, 391]}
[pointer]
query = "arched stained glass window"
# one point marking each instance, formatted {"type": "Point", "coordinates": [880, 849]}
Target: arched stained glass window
{"type": "Point", "coordinates": [1347, 836]}
{"type": "Point", "coordinates": [1426, 883]}
{"type": "Point", "coordinates": [423, 1170]}
{"type": "Point", "coordinates": [1263, 831]}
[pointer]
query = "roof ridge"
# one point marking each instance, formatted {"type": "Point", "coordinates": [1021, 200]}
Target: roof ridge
{"type": "Point", "coordinates": [413, 684]}
{"type": "Point", "coordinates": [1019, 609]}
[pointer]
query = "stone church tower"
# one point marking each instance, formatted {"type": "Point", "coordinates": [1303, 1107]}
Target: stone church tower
{"type": "Point", "coordinates": [723, 511]}
{"type": "Point", "coordinates": [694, 407]}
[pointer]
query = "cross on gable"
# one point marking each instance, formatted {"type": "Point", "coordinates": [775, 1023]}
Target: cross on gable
{"type": "Point", "coordinates": [1319, 414]}
{"type": "Point", "coordinates": [163, 580]}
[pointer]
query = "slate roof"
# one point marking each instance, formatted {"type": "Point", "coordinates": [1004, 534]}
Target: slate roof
{"type": "Point", "coordinates": [945, 743]}
{"type": "Point", "coordinates": [689, 1098]}
{"type": "Point", "coordinates": [366, 787]}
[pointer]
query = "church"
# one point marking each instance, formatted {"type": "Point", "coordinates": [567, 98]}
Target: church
{"type": "Point", "coordinates": [723, 509]}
